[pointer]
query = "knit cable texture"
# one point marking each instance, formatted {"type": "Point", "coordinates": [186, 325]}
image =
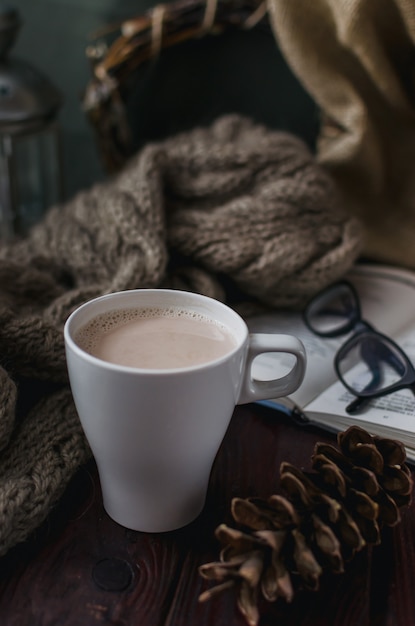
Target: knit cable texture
{"type": "Point", "coordinates": [235, 203]}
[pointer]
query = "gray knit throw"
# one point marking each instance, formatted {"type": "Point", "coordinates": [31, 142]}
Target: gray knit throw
{"type": "Point", "coordinates": [234, 204]}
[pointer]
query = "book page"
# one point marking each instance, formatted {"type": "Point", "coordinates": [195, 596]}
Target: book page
{"type": "Point", "coordinates": [395, 414]}
{"type": "Point", "coordinates": [387, 296]}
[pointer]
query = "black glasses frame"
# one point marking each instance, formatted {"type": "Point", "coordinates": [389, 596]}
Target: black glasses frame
{"type": "Point", "coordinates": [382, 346]}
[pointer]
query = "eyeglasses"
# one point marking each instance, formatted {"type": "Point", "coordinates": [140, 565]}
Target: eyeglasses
{"type": "Point", "coordinates": [383, 366]}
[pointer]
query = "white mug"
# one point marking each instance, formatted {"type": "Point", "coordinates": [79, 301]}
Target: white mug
{"type": "Point", "coordinates": [155, 433]}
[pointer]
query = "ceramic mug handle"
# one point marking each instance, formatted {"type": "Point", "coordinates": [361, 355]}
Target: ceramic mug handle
{"type": "Point", "coordinates": [260, 343]}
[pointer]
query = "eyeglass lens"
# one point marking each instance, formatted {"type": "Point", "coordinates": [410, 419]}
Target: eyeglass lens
{"type": "Point", "coordinates": [381, 366]}
{"type": "Point", "coordinates": [334, 311]}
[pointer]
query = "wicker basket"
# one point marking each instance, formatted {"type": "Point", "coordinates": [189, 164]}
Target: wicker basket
{"type": "Point", "coordinates": [119, 50]}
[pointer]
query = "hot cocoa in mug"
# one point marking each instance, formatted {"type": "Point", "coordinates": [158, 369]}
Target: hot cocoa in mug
{"type": "Point", "coordinates": [155, 375]}
{"type": "Point", "coordinates": [155, 338]}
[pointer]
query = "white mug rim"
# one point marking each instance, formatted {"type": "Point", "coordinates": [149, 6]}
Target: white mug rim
{"type": "Point", "coordinates": [71, 320]}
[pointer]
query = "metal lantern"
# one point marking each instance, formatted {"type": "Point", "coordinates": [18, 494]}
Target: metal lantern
{"type": "Point", "coordinates": [30, 151]}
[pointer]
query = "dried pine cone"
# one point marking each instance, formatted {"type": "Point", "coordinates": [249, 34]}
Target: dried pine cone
{"type": "Point", "coordinates": [328, 515]}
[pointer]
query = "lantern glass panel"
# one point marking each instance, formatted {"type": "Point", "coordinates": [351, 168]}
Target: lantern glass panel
{"type": "Point", "coordinates": [30, 179]}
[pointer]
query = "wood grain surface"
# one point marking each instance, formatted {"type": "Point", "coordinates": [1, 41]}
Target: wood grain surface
{"type": "Point", "coordinates": [82, 569]}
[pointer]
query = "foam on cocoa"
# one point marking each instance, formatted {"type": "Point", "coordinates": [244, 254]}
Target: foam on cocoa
{"type": "Point", "coordinates": [191, 344]}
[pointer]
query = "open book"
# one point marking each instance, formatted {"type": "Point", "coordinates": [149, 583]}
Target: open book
{"type": "Point", "coordinates": [388, 302]}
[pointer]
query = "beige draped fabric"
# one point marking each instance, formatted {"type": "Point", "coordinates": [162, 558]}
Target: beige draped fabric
{"type": "Point", "coordinates": [356, 58]}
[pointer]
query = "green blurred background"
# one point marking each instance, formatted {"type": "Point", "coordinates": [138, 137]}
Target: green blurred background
{"type": "Point", "coordinates": [191, 84]}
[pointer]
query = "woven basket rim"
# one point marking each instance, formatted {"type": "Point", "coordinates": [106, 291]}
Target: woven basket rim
{"type": "Point", "coordinates": [118, 49]}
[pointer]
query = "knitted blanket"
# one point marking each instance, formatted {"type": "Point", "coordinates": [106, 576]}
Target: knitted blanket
{"type": "Point", "coordinates": [230, 208]}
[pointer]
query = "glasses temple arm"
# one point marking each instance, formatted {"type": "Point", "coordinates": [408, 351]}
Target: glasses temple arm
{"type": "Point", "coordinates": [357, 405]}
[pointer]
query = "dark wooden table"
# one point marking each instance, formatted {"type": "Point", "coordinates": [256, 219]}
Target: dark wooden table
{"type": "Point", "coordinates": [83, 569]}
